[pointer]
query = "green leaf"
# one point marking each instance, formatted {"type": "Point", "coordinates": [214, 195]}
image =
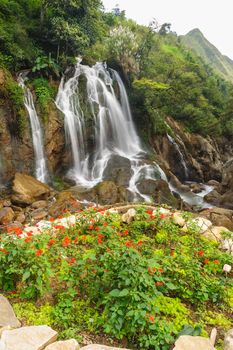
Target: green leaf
{"type": "Point", "coordinates": [123, 293]}
{"type": "Point", "coordinates": [26, 275]}
{"type": "Point", "coordinates": [114, 293]}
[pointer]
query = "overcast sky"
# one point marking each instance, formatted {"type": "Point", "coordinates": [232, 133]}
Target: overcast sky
{"type": "Point", "coordinates": [212, 17]}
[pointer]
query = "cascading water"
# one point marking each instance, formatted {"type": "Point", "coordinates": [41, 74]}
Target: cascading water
{"type": "Point", "coordinates": [114, 130]}
{"type": "Point", "coordinates": [181, 156]}
{"type": "Point", "coordinates": [41, 172]}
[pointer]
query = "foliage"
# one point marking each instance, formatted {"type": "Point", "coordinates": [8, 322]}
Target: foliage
{"type": "Point", "coordinates": [44, 93]}
{"type": "Point", "coordinates": [142, 281]}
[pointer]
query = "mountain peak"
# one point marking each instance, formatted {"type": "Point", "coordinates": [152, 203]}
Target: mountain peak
{"type": "Point", "coordinates": [196, 41]}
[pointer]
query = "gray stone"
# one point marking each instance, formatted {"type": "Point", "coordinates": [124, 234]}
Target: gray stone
{"type": "Point", "coordinates": [187, 342]}
{"type": "Point", "coordinates": [39, 204]}
{"type": "Point", "coordinates": [71, 344]}
{"type": "Point", "coordinates": [28, 338]}
{"type": "Point", "coordinates": [7, 315]}
{"type": "Point", "coordinates": [228, 340]}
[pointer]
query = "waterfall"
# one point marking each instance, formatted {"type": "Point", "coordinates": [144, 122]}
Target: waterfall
{"type": "Point", "coordinates": [181, 156]}
{"type": "Point", "coordinates": [41, 172]}
{"type": "Point", "coordinates": [114, 131]}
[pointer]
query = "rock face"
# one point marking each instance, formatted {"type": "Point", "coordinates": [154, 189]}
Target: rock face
{"type": "Point", "coordinates": [7, 315]}
{"type": "Point", "coordinates": [71, 344]}
{"type": "Point", "coordinates": [26, 189]}
{"type": "Point", "coordinates": [187, 342]}
{"type": "Point", "coordinates": [28, 338]}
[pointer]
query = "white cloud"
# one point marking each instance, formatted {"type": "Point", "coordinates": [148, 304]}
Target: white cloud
{"type": "Point", "coordinates": [212, 17]}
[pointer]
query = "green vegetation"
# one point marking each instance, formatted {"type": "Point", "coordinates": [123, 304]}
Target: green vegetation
{"type": "Point", "coordinates": [164, 78]}
{"type": "Point", "coordinates": [146, 281]}
{"type": "Point", "coordinates": [44, 94]}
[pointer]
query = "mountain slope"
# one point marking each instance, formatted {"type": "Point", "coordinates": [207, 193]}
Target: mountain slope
{"type": "Point", "coordinates": [210, 54]}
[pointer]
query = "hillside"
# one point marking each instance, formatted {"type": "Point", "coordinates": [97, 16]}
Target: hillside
{"type": "Point", "coordinates": [222, 64]}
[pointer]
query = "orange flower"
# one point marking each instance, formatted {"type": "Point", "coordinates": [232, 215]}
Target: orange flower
{"type": "Point", "coordinates": [66, 241]}
{"type": "Point", "coordinates": [200, 253]}
{"type": "Point", "coordinates": [51, 219]}
{"type": "Point", "coordinates": [206, 261]}
{"type": "Point", "coordinates": [140, 243]}
{"type": "Point", "coordinates": [51, 242]}
{"type": "Point", "coordinates": [151, 318]}
{"type": "Point", "coordinates": [27, 239]}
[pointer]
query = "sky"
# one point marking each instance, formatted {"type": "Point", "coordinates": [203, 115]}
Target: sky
{"type": "Point", "coordinates": [212, 17]}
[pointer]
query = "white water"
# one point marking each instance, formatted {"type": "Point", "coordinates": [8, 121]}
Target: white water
{"type": "Point", "coordinates": [181, 156]}
{"type": "Point", "coordinates": [114, 130]}
{"type": "Point", "coordinates": [41, 172]}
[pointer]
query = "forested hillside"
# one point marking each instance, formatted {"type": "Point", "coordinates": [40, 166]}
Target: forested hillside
{"type": "Point", "coordinates": [164, 78]}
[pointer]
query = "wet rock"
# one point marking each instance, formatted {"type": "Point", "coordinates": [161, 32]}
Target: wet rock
{"type": "Point", "coordinates": [158, 190]}
{"type": "Point", "coordinates": [220, 217]}
{"type": "Point", "coordinates": [213, 197]}
{"type": "Point", "coordinates": [118, 170]}
{"type": "Point", "coordinates": [39, 214]}
{"type": "Point", "coordinates": [20, 218]}
{"type": "Point", "coordinates": [39, 204]}
{"type": "Point", "coordinates": [107, 192]}
{"type": "Point", "coordinates": [187, 342]}
{"type": "Point", "coordinates": [196, 187]}
{"type": "Point", "coordinates": [228, 340]}
{"type": "Point", "coordinates": [28, 338]}
{"type": "Point", "coordinates": [7, 315]}
{"type": "Point", "coordinates": [6, 215]}
{"type": "Point", "coordinates": [27, 189]}
{"type": "Point", "coordinates": [71, 344]}
{"type": "Point", "coordinates": [214, 183]}
{"type": "Point", "coordinates": [6, 203]}
{"type": "Point", "coordinates": [65, 201]}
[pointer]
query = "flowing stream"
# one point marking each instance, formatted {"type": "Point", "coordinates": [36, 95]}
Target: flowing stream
{"type": "Point", "coordinates": [181, 156]}
{"type": "Point", "coordinates": [41, 171]}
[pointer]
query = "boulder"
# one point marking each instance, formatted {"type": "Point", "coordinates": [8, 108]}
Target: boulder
{"type": "Point", "coordinates": [71, 344]}
{"type": "Point", "coordinates": [6, 215]}
{"type": "Point", "coordinates": [39, 205]}
{"type": "Point", "coordinates": [118, 170]}
{"type": "Point", "coordinates": [228, 340]}
{"type": "Point", "coordinates": [129, 215]}
{"type": "Point", "coordinates": [7, 315]}
{"type": "Point", "coordinates": [187, 342]}
{"type": "Point", "coordinates": [202, 224]}
{"type": "Point", "coordinates": [215, 233]}
{"type": "Point", "coordinates": [213, 197]}
{"type": "Point", "coordinates": [39, 214]}
{"type": "Point", "coordinates": [107, 192]}
{"type": "Point", "coordinates": [28, 338]}
{"type": "Point", "coordinates": [27, 189]}
{"type": "Point", "coordinates": [64, 201]}
{"type": "Point", "coordinates": [178, 219]}
{"type": "Point", "coordinates": [220, 217]}
{"type": "Point", "coordinates": [20, 217]}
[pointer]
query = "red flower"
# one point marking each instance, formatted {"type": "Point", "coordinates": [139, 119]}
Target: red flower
{"type": "Point", "coordinates": [161, 270]}
{"type": "Point", "coordinates": [105, 224]}
{"type": "Point", "coordinates": [51, 242]}
{"type": "Point", "coordinates": [129, 244]}
{"type": "Point", "coordinates": [162, 216]}
{"type": "Point", "coordinates": [149, 211]}
{"type": "Point", "coordinates": [29, 233]}
{"type": "Point", "coordinates": [51, 219]}
{"type": "Point", "coordinates": [27, 239]}
{"type": "Point", "coordinates": [72, 261]}
{"type": "Point", "coordinates": [59, 227]}
{"type": "Point", "coordinates": [39, 252]}
{"type": "Point", "coordinates": [140, 243]}
{"type": "Point", "coordinates": [100, 236]}
{"type": "Point", "coordinates": [91, 227]}
{"type": "Point", "coordinates": [124, 233]}
{"type": "Point", "coordinates": [97, 228]}
{"type": "Point", "coordinates": [216, 262]}
{"type": "Point", "coordinates": [200, 253]}
{"type": "Point", "coordinates": [206, 261]}
{"type": "Point", "coordinates": [66, 241]}
{"type": "Point", "coordinates": [151, 318]}
{"type": "Point", "coordinates": [159, 283]}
